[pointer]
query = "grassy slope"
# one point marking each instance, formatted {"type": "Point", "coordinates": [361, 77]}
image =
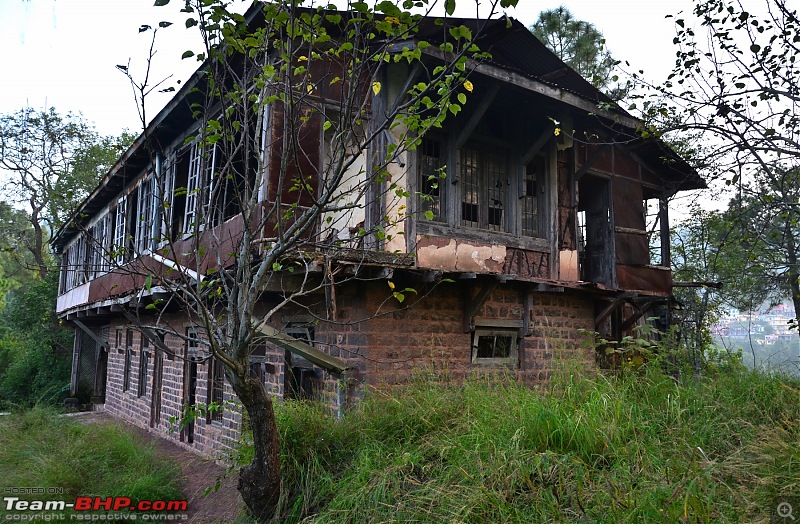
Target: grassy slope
{"type": "Point", "coordinates": [634, 448]}
{"type": "Point", "coordinates": [40, 449]}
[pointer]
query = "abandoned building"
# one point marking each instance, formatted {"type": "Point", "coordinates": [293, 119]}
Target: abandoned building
{"type": "Point", "coordinates": [550, 218]}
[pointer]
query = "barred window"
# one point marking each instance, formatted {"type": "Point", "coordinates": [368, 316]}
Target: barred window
{"type": "Point", "coordinates": [216, 390]}
{"type": "Point", "coordinates": [484, 189]}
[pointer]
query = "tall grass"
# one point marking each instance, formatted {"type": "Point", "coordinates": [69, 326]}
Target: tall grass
{"type": "Point", "coordinates": [639, 447]}
{"type": "Point", "coordinates": [40, 449]}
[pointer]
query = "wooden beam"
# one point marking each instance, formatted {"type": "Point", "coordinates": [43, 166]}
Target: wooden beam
{"type": "Point", "coordinates": [548, 288]}
{"type": "Point", "coordinates": [586, 166]}
{"type": "Point", "coordinates": [475, 119]}
{"type": "Point", "coordinates": [639, 313]}
{"type": "Point", "coordinates": [609, 309]}
{"type": "Point", "coordinates": [663, 211]}
{"type": "Point", "coordinates": [526, 311]}
{"type": "Point", "coordinates": [535, 86]}
{"type": "Point", "coordinates": [307, 351]}
{"type": "Point", "coordinates": [417, 69]}
{"type": "Point", "coordinates": [537, 146]}
{"type": "Point", "coordinates": [91, 333]}
{"type": "Point", "coordinates": [472, 305]}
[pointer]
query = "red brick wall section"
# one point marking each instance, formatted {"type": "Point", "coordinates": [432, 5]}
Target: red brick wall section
{"type": "Point", "coordinates": [215, 439]}
{"type": "Point", "coordinates": [427, 340]}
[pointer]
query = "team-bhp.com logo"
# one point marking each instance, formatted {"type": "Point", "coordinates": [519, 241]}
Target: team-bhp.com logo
{"type": "Point", "coordinates": [123, 508]}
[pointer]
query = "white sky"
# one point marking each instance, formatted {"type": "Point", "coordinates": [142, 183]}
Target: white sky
{"type": "Point", "coordinates": [62, 53]}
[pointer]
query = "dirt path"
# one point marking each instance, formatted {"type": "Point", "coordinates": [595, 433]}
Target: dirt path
{"type": "Point", "coordinates": [199, 473]}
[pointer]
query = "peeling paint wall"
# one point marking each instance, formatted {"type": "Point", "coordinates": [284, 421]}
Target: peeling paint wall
{"type": "Point", "coordinates": [459, 255]}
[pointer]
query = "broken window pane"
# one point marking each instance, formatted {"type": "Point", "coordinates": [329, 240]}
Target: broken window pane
{"type": "Point", "coordinates": [495, 346]}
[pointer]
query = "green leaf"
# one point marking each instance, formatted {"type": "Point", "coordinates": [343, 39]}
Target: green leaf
{"type": "Point", "coordinates": [159, 3]}
{"type": "Point", "coordinates": [148, 282]}
{"type": "Point", "coordinates": [449, 7]}
{"type": "Point", "coordinates": [428, 215]}
{"type": "Point", "coordinates": [462, 98]}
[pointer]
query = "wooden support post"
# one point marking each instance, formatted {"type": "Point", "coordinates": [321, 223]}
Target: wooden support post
{"type": "Point", "coordinates": [472, 305]}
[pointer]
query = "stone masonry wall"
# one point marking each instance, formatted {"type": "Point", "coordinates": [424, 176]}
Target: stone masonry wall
{"type": "Point", "coordinates": [401, 342]}
{"type": "Point", "coordinates": [214, 438]}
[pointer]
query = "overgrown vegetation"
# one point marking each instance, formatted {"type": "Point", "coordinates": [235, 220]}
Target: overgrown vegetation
{"type": "Point", "coordinates": [35, 349]}
{"type": "Point", "coordinates": [40, 449]}
{"type": "Point", "coordinates": [635, 447]}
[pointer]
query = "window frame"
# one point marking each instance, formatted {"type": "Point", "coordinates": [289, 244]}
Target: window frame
{"type": "Point", "coordinates": [126, 371]}
{"type": "Point", "coordinates": [145, 215]}
{"type": "Point", "coordinates": [510, 361]}
{"type": "Point", "coordinates": [144, 357]}
{"type": "Point", "coordinates": [429, 183]}
{"type": "Point", "coordinates": [513, 232]}
{"type": "Point", "coordinates": [216, 390]}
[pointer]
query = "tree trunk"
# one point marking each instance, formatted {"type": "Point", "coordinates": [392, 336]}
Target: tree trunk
{"type": "Point", "coordinates": [794, 277]}
{"type": "Point", "coordinates": [260, 482]}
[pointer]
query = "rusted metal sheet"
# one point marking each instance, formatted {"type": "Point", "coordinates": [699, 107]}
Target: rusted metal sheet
{"type": "Point", "coordinates": [625, 166]}
{"type": "Point", "coordinates": [651, 279]}
{"type": "Point", "coordinates": [303, 130]}
{"type": "Point", "coordinates": [628, 206]}
{"type": "Point", "coordinates": [602, 163]}
{"type": "Point", "coordinates": [631, 248]}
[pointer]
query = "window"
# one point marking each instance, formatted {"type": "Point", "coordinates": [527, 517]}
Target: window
{"type": "Point", "coordinates": [119, 241]}
{"type": "Point", "coordinates": [199, 188]}
{"type": "Point", "coordinates": [174, 194]}
{"type": "Point", "coordinates": [431, 180]}
{"type": "Point", "coordinates": [260, 368]}
{"type": "Point", "coordinates": [484, 189]}
{"type": "Point", "coordinates": [98, 244]}
{"type": "Point", "coordinates": [216, 389]}
{"type": "Point", "coordinates": [495, 346]}
{"type": "Point", "coordinates": [143, 358]}
{"type": "Point", "coordinates": [301, 381]}
{"type": "Point", "coordinates": [145, 216]}
{"type": "Point", "coordinates": [192, 344]}
{"type": "Point", "coordinates": [118, 340]}
{"type": "Point", "coordinates": [532, 185]}
{"type": "Point", "coordinates": [126, 372]}
{"type": "Point", "coordinates": [81, 261]}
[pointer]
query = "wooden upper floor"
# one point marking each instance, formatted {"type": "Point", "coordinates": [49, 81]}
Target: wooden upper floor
{"type": "Point", "coordinates": [538, 177]}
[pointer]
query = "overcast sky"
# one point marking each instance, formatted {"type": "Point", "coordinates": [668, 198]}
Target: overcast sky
{"type": "Point", "coordinates": [63, 53]}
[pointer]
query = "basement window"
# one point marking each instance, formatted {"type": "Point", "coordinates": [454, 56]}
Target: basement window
{"type": "Point", "coordinates": [495, 347]}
